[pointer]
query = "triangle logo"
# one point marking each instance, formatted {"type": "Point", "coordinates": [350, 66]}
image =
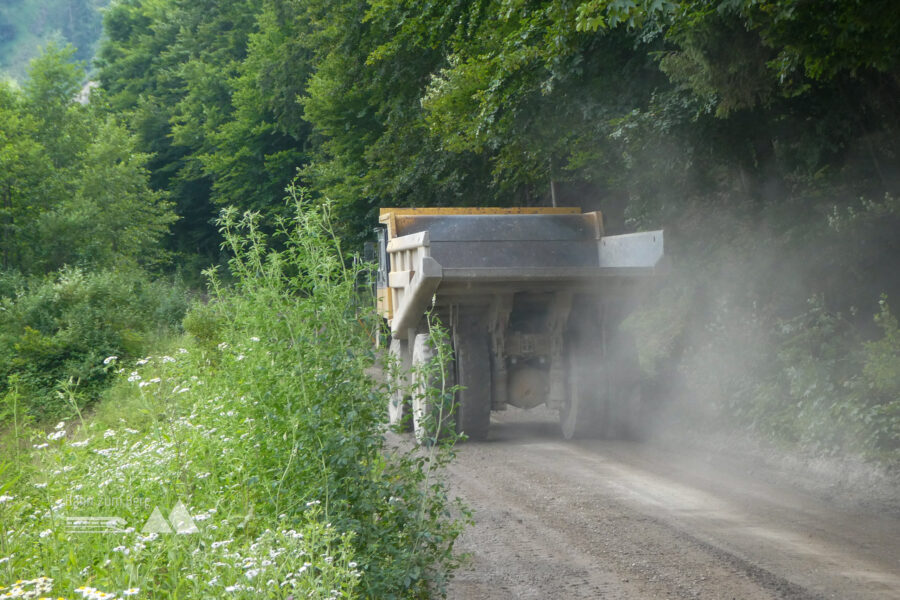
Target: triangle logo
{"type": "Point", "coordinates": [156, 523]}
{"type": "Point", "coordinates": [181, 519]}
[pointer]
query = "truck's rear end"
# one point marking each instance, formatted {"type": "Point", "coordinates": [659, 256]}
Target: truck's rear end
{"type": "Point", "coordinates": [532, 299]}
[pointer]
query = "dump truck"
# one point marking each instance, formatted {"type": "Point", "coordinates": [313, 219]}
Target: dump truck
{"type": "Point", "coordinates": [531, 302]}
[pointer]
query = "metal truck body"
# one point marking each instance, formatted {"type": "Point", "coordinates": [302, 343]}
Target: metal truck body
{"type": "Point", "coordinates": [532, 299]}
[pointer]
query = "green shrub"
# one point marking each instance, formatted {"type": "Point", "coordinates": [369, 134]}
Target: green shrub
{"type": "Point", "coordinates": [811, 381]}
{"type": "Point", "coordinates": [273, 437]}
{"type": "Point", "coordinates": [62, 327]}
{"type": "Point", "coordinates": [304, 306]}
{"type": "Point", "coordinates": [881, 385]}
{"type": "Point", "coordinates": [205, 323]}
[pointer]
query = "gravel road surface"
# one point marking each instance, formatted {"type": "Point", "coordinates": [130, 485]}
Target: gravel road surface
{"type": "Point", "coordinates": [600, 519]}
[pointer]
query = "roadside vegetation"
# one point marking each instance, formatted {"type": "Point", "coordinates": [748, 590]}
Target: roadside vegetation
{"type": "Point", "coordinates": [264, 422]}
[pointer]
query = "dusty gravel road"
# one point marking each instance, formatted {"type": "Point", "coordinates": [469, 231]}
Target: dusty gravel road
{"type": "Point", "coordinates": [596, 519]}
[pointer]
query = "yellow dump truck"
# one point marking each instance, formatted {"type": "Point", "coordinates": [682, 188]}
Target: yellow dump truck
{"type": "Point", "coordinates": [532, 299]}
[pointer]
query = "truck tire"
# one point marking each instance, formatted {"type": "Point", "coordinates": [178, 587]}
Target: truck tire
{"type": "Point", "coordinates": [583, 412]}
{"type": "Point", "coordinates": [626, 409]}
{"type": "Point", "coordinates": [399, 406]}
{"type": "Point", "coordinates": [604, 398]}
{"type": "Point", "coordinates": [473, 373]}
{"type": "Point", "coordinates": [431, 404]}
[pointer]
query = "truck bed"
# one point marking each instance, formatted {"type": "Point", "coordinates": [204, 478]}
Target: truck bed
{"type": "Point", "coordinates": [439, 258]}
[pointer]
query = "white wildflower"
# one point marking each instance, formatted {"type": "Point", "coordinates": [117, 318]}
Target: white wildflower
{"type": "Point", "coordinates": [40, 486]}
{"type": "Point", "coordinates": [167, 359]}
{"type": "Point", "coordinates": [240, 357]}
{"type": "Point", "coordinates": [60, 425]}
{"type": "Point", "coordinates": [254, 339]}
{"type": "Point", "coordinates": [182, 351]}
{"type": "Point", "coordinates": [131, 591]}
{"type": "Point", "coordinates": [81, 443]}
{"type": "Point", "coordinates": [223, 346]}
{"type": "Point", "coordinates": [313, 503]}
{"type": "Point", "coordinates": [134, 376]}
{"type": "Point", "coordinates": [56, 435]}
{"type": "Point", "coordinates": [143, 361]}
{"type": "Point", "coordinates": [5, 498]}
{"type": "Point", "coordinates": [109, 359]}
{"type": "Point", "coordinates": [46, 533]}
{"type": "Point", "coordinates": [109, 433]}
{"type": "Point", "coordinates": [41, 446]}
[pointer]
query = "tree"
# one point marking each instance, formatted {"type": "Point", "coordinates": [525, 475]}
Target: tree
{"type": "Point", "coordinates": [24, 165]}
{"type": "Point", "coordinates": [73, 186]}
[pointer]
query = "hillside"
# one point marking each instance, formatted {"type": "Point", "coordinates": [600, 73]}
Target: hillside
{"type": "Point", "coordinates": [28, 25]}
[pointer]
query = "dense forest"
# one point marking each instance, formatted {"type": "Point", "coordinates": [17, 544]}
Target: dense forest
{"type": "Point", "coordinates": [762, 135]}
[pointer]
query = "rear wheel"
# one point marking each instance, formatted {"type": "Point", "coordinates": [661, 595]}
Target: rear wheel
{"type": "Point", "coordinates": [626, 407]}
{"type": "Point", "coordinates": [472, 355]}
{"type": "Point", "coordinates": [431, 401]}
{"type": "Point", "coordinates": [399, 406]}
{"type": "Point", "coordinates": [582, 413]}
{"type": "Point", "coordinates": [604, 392]}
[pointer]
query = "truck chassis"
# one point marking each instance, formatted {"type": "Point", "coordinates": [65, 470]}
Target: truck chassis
{"type": "Point", "coordinates": [532, 300]}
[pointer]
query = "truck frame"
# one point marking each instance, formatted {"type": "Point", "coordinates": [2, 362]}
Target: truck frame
{"type": "Point", "coordinates": [532, 300]}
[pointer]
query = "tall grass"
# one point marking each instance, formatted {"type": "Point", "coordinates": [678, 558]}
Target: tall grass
{"type": "Point", "coordinates": [266, 425]}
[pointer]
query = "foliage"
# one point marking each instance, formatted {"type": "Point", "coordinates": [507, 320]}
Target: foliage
{"type": "Point", "coordinates": [73, 186]}
{"type": "Point", "coordinates": [273, 438]}
{"type": "Point", "coordinates": [60, 328]}
{"type": "Point", "coordinates": [304, 299]}
{"type": "Point", "coordinates": [196, 84]}
{"type": "Point", "coordinates": [172, 445]}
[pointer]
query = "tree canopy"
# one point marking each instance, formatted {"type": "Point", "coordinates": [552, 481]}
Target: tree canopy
{"type": "Point", "coordinates": [74, 186]}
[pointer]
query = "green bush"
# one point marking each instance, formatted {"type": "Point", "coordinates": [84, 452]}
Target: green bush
{"type": "Point", "coordinates": [818, 381]}
{"type": "Point", "coordinates": [205, 324]}
{"type": "Point", "coordinates": [273, 437]}
{"type": "Point", "coordinates": [311, 386]}
{"type": "Point", "coordinates": [62, 327]}
{"type": "Point", "coordinates": [881, 385]}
